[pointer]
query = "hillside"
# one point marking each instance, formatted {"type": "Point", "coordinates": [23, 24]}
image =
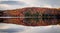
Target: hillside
{"type": "Point", "coordinates": [32, 16]}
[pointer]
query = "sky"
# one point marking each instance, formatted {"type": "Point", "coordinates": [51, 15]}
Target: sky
{"type": "Point", "coordinates": [14, 4]}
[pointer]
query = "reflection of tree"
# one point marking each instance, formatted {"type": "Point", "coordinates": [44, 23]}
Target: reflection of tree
{"type": "Point", "coordinates": [46, 16]}
{"type": "Point", "coordinates": [1, 20]}
{"type": "Point", "coordinates": [30, 16]}
{"type": "Point", "coordinates": [35, 17]}
{"type": "Point", "coordinates": [1, 13]}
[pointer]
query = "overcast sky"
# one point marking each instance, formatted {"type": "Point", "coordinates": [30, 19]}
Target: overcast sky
{"type": "Point", "coordinates": [14, 4]}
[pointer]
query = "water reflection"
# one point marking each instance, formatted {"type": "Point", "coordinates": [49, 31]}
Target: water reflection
{"type": "Point", "coordinates": [11, 28]}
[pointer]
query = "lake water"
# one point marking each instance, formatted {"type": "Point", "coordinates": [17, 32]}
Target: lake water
{"type": "Point", "coordinates": [13, 28]}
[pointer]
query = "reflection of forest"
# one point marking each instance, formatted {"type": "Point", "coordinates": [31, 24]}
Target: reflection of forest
{"type": "Point", "coordinates": [32, 16]}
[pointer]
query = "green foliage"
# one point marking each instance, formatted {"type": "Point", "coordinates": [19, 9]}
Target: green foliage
{"type": "Point", "coordinates": [27, 14]}
{"type": "Point", "coordinates": [33, 16]}
{"type": "Point", "coordinates": [36, 16]}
